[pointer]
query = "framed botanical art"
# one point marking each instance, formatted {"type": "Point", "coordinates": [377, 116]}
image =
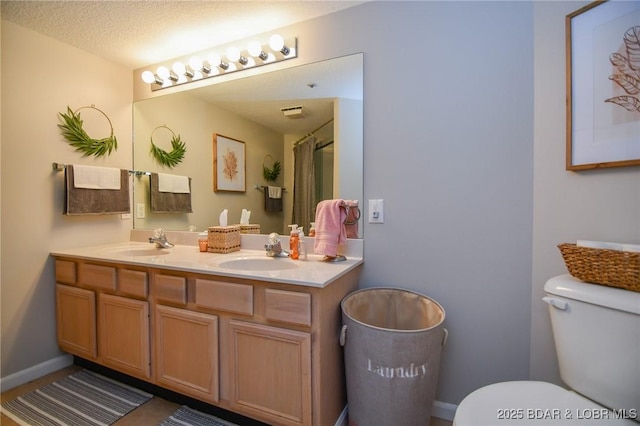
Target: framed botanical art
{"type": "Point", "coordinates": [603, 85]}
{"type": "Point", "coordinates": [228, 164]}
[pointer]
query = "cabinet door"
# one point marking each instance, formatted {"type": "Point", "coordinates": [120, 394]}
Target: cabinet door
{"type": "Point", "coordinates": [271, 373]}
{"type": "Point", "coordinates": [187, 352]}
{"type": "Point", "coordinates": [76, 320]}
{"type": "Point", "coordinates": [124, 335]}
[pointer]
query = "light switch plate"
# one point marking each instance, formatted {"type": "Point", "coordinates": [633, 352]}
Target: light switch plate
{"type": "Point", "coordinates": [376, 211]}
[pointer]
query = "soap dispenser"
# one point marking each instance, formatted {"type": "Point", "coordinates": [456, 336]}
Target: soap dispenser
{"type": "Point", "coordinates": [302, 252]}
{"type": "Point", "coordinates": [312, 229]}
{"type": "Point", "coordinates": [294, 242]}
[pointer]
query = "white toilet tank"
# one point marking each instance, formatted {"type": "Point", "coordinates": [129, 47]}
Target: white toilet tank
{"type": "Point", "coordinates": [597, 335]}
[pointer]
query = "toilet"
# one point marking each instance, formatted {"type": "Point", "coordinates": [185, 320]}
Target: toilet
{"type": "Point", "coordinates": [597, 335]}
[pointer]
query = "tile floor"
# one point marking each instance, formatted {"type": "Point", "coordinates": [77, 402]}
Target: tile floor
{"type": "Point", "coordinates": [149, 414]}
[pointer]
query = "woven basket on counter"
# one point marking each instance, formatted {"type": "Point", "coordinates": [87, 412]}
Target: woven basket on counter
{"type": "Point", "coordinates": [224, 239]}
{"type": "Point", "coordinates": [612, 268]}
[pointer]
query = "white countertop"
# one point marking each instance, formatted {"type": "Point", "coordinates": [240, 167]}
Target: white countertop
{"type": "Point", "coordinates": [312, 272]}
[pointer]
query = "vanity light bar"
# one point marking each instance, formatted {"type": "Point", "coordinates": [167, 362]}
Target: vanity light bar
{"type": "Point", "coordinates": [277, 50]}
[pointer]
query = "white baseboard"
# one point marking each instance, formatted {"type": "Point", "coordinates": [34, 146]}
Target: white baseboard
{"type": "Point", "coordinates": [32, 373]}
{"type": "Point", "coordinates": [342, 420]}
{"type": "Point", "coordinates": [441, 410]}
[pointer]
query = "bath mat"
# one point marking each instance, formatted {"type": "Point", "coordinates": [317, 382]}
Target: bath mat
{"type": "Point", "coordinates": [185, 416]}
{"type": "Point", "coordinates": [80, 399]}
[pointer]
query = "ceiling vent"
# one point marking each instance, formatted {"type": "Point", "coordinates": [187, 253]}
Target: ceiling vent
{"type": "Point", "coordinates": [293, 112]}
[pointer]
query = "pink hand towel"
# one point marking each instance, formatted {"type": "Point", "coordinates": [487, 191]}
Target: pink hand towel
{"type": "Point", "coordinates": [330, 230]}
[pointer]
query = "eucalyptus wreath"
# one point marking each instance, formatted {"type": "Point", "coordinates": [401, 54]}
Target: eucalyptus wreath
{"type": "Point", "coordinates": [169, 159]}
{"type": "Point", "coordinates": [78, 138]}
{"type": "Point", "coordinates": [270, 174]}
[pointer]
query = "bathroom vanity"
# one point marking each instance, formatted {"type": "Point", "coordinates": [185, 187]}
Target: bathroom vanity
{"type": "Point", "coordinates": [242, 331]}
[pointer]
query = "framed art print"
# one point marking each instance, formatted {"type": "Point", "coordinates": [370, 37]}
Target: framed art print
{"type": "Point", "coordinates": [228, 164]}
{"type": "Point", "coordinates": [603, 85]}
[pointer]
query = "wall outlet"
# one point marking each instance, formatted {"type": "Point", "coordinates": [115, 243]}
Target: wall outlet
{"type": "Point", "coordinates": [140, 213]}
{"type": "Point", "coordinates": [376, 211]}
{"type": "Point", "coordinates": [125, 216]}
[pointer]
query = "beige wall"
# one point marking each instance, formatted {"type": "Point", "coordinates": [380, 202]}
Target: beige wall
{"type": "Point", "coordinates": [40, 78]}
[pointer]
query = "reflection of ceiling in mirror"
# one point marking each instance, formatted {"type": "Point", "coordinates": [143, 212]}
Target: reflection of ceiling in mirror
{"type": "Point", "coordinates": [260, 98]}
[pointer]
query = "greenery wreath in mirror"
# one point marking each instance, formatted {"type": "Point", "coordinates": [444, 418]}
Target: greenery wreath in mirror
{"type": "Point", "coordinates": [169, 159]}
{"type": "Point", "coordinates": [78, 138]}
{"type": "Point", "coordinates": [270, 174]}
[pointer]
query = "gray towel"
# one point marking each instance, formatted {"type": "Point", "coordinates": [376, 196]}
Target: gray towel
{"type": "Point", "coordinates": [168, 202]}
{"type": "Point", "coordinates": [81, 201]}
{"type": "Point", "coordinates": [271, 204]}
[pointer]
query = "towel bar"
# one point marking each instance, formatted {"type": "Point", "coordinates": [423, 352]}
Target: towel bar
{"type": "Point", "coordinates": [58, 167]}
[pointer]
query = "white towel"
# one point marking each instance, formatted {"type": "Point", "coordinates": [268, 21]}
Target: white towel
{"type": "Point", "coordinates": [609, 246]}
{"type": "Point", "coordinates": [173, 183]}
{"type": "Point", "coordinates": [275, 192]}
{"type": "Point", "coordinates": [92, 177]}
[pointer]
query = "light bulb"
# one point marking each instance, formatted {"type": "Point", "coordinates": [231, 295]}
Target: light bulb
{"type": "Point", "coordinates": [163, 72]}
{"type": "Point", "coordinates": [233, 53]}
{"type": "Point", "coordinates": [276, 42]}
{"type": "Point", "coordinates": [255, 50]}
{"type": "Point", "coordinates": [195, 63]}
{"type": "Point", "coordinates": [216, 61]}
{"type": "Point", "coordinates": [148, 77]}
{"type": "Point", "coordinates": [179, 68]}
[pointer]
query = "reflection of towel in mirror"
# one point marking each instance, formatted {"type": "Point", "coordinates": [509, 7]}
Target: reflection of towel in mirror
{"type": "Point", "coordinates": [174, 183]}
{"type": "Point", "coordinates": [330, 230]}
{"type": "Point", "coordinates": [275, 192]}
{"type": "Point", "coordinates": [272, 204]}
{"type": "Point", "coordinates": [85, 201]}
{"type": "Point", "coordinates": [353, 215]}
{"type": "Point", "coordinates": [168, 202]}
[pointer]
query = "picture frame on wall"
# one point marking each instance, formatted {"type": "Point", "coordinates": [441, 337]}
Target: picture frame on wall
{"type": "Point", "coordinates": [603, 85]}
{"type": "Point", "coordinates": [229, 164]}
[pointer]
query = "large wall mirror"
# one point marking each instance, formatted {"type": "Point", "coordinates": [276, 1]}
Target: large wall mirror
{"type": "Point", "coordinates": [250, 110]}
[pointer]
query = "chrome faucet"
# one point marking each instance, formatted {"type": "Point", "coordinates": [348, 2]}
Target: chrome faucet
{"type": "Point", "coordinates": [160, 238]}
{"type": "Point", "coordinates": [273, 246]}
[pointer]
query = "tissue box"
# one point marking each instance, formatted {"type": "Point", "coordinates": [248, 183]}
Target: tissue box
{"type": "Point", "coordinates": [224, 239]}
{"type": "Point", "coordinates": [249, 229]}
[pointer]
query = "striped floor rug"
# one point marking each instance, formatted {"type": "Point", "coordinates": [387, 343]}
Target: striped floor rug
{"type": "Point", "coordinates": [186, 416]}
{"type": "Point", "coordinates": [81, 399]}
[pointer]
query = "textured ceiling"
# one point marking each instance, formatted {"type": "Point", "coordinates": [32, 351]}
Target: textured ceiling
{"type": "Point", "coordinates": [138, 33]}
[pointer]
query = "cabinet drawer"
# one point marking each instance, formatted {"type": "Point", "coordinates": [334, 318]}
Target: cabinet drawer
{"type": "Point", "coordinates": [288, 306]}
{"type": "Point", "coordinates": [133, 283]}
{"type": "Point", "coordinates": [169, 288]}
{"type": "Point", "coordinates": [65, 271]}
{"type": "Point", "coordinates": [97, 276]}
{"type": "Point", "coordinates": [237, 298]}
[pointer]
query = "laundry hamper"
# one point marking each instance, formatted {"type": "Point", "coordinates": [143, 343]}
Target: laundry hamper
{"type": "Point", "coordinates": [392, 342]}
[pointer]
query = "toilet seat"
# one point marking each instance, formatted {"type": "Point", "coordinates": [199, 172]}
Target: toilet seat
{"type": "Point", "coordinates": [523, 403]}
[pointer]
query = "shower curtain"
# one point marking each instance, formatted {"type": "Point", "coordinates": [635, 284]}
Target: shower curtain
{"type": "Point", "coordinates": [304, 203]}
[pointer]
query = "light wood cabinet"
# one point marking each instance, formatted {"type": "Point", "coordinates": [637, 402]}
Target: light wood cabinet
{"type": "Point", "coordinates": [123, 330]}
{"type": "Point", "coordinates": [187, 352]}
{"type": "Point", "coordinates": [271, 373]}
{"type": "Point", "coordinates": [76, 321]}
{"type": "Point", "coordinates": [265, 350]}
{"type": "Point", "coordinates": [97, 322]}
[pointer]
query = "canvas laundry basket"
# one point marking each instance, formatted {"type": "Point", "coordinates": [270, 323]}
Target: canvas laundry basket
{"type": "Point", "coordinates": [392, 342]}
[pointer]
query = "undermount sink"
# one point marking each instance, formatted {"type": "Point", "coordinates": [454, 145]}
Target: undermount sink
{"type": "Point", "coordinates": [258, 264]}
{"type": "Point", "coordinates": [139, 251]}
